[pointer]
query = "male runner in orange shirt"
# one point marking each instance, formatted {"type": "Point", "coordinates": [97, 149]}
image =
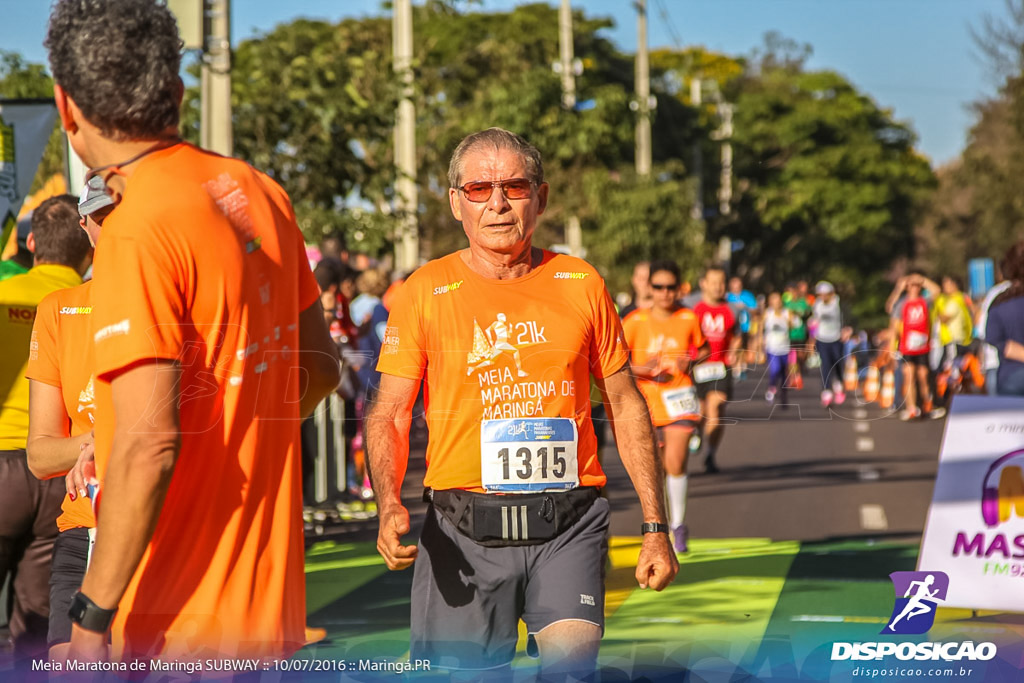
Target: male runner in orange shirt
{"type": "Point", "coordinates": [206, 319]}
{"type": "Point", "coordinates": [61, 419]}
{"type": "Point", "coordinates": [28, 508]}
{"type": "Point", "coordinates": [516, 528]}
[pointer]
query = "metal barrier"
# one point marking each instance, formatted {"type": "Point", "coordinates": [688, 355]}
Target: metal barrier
{"type": "Point", "coordinates": [330, 462]}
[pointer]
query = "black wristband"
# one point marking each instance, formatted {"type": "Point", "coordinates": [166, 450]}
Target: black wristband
{"type": "Point", "coordinates": [88, 615]}
{"type": "Point", "coordinates": [654, 528]}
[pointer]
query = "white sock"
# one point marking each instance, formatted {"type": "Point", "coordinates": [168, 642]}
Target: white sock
{"type": "Point", "coordinates": [676, 485]}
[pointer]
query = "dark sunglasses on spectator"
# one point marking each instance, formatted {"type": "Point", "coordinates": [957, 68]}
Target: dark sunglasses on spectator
{"type": "Point", "coordinates": [661, 288]}
{"type": "Point", "coordinates": [512, 188]}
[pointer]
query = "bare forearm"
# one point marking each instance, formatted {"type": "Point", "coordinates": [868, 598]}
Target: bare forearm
{"type": "Point", "coordinates": [134, 489]}
{"type": "Point", "coordinates": [1014, 351]}
{"type": "Point", "coordinates": [53, 456]}
{"type": "Point", "coordinates": [634, 433]}
{"type": "Point", "coordinates": [388, 454]}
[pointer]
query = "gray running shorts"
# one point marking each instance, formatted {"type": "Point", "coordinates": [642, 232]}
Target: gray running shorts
{"type": "Point", "coordinates": [467, 599]}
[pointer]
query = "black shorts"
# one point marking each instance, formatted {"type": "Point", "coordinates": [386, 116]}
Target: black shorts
{"type": "Point", "coordinates": [920, 360]}
{"type": "Point", "coordinates": [467, 599]}
{"type": "Point", "coordinates": [678, 424]}
{"type": "Point", "coordinates": [722, 386]}
{"type": "Point", "coordinates": [70, 555]}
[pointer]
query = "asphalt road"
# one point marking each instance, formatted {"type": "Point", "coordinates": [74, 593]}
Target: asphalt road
{"type": "Point", "coordinates": [804, 472]}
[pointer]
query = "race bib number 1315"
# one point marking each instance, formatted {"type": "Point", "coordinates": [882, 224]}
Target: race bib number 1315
{"type": "Point", "coordinates": [526, 455]}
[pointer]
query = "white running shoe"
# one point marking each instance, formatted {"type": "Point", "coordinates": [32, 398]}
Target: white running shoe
{"type": "Point", "coordinates": [826, 398]}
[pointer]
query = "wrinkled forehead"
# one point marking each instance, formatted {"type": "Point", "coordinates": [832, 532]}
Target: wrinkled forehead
{"type": "Point", "coordinates": [486, 162]}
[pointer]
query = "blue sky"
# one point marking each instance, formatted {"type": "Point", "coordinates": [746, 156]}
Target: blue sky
{"type": "Point", "coordinates": [915, 57]}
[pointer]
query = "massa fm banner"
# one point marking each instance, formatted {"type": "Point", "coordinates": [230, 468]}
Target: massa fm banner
{"type": "Point", "coordinates": [975, 529]}
{"type": "Point", "coordinates": [25, 127]}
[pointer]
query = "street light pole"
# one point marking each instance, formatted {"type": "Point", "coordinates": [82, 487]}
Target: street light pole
{"type": "Point", "coordinates": [566, 55]}
{"type": "Point", "coordinates": [215, 126]}
{"type": "Point", "coordinates": [407, 247]}
{"type": "Point", "coordinates": [643, 93]}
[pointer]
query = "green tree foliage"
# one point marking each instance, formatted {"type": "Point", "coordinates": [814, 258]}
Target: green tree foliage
{"type": "Point", "coordinates": [21, 79]}
{"type": "Point", "coordinates": [829, 185]}
{"type": "Point", "coordinates": [313, 106]}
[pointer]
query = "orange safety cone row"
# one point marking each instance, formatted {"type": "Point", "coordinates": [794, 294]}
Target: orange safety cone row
{"type": "Point", "coordinates": [888, 394]}
{"type": "Point", "coordinates": [871, 384]}
{"type": "Point", "coordinates": [850, 375]}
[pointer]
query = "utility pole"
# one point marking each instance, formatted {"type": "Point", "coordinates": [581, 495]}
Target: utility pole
{"type": "Point", "coordinates": [696, 99]}
{"type": "Point", "coordinates": [725, 184]}
{"type": "Point", "coordinates": [565, 50]}
{"type": "Point", "coordinates": [407, 247]}
{"type": "Point", "coordinates": [643, 93]}
{"type": "Point", "coordinates": [215, 85]}
{"type": "Point", "coordinates": [567, 70]}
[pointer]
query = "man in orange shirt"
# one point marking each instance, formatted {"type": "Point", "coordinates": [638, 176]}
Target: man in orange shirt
{"type": "Point", "coordinates": [210, 346]}
{"type": "Point", "coordinates": [27, 532]}
{"type": "Point", "coordinates": [516, 528]}
{"type": "Point", "coordinates": [61, 419]}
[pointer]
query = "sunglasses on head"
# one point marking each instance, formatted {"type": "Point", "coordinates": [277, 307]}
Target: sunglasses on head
{"type": "Point", "coordinates": [661, 288]}
{"type": "Point", "coordinates": [512, 188]}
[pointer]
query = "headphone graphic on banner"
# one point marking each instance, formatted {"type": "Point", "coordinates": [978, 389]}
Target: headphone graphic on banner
{"type": "Point", "coordinates": [990, 492]}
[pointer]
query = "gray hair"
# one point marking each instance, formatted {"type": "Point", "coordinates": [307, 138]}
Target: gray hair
{"type": "Point", "coordinates": [118, 60]}
{"type": "Point", "coordinates": [497, 139]}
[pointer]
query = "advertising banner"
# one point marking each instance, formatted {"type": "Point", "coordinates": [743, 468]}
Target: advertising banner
{"type": "Point", "coordinates": [975, 528]}
{"type": "Point", "coordinates": [25, 127]}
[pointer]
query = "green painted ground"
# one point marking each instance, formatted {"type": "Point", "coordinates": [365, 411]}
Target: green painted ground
{"type": "Point", "coordinates": [738, 606]}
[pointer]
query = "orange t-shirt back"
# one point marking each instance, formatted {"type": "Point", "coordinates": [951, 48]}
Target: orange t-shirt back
{"type": "Point", "coordinates": [677, 336]}
{"type": "Point", "coordinates": [202, 263]}
{"type": "Point", "coordinates": [498, 349]}
{"type": "Point", "coordinates": [62, 356]}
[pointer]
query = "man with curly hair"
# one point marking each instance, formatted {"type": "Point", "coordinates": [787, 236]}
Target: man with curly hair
{"type": "Point", "coordinates": [210, 345]}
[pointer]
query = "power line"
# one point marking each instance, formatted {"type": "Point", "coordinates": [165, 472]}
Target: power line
{"type": "Point", "coordinates": [673, 34]}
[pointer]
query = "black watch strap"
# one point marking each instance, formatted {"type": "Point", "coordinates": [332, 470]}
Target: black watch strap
{"type": "Point", "coordinates": [88, 615]}
{"type": "Point", "coordinates": [654, 528]}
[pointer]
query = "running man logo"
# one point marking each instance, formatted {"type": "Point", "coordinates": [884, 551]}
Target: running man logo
{"type": "Point", "coordinates": [8, 168]}
{"type": "Point", "coordinates": [914, 612]}
{"type": "Point", "coordinates": [1002, 489]}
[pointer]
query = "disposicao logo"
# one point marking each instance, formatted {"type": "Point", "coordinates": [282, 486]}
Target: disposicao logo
{"type": "Point", "coordinates": [917, 596]}
{"type": "Point", "coordinates": [914, 612]}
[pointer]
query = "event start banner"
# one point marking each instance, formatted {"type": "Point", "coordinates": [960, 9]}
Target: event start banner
{"type": "Point", "coordinates": [975, 528]}
{"type": "Point", "coordinates": [25, 127]}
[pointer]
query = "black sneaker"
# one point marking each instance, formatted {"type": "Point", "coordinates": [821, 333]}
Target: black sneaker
{"type": "Point", "coordinates": [710, 467]}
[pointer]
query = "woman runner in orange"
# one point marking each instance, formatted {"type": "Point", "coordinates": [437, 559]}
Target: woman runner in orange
{"type": "Point", "coordinates": [663, 341]}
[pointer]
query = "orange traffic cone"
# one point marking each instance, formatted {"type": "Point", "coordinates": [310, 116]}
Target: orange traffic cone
{"type": "Point", "coordinates": [871, 385]}
{"type": "Point", "coordinates": [888, 395]}
{"type": "Point", "coordinates": [850, 375]}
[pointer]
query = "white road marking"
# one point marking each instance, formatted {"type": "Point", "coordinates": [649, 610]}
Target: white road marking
{"type": "Point", "coordinates": [865, 444]}
{"type": "Point", "coordinates": [860, 414]}
{"type": "Point", "coordinates": [872, 517]}
{"type": "Point", "coordinates": [861, 427]}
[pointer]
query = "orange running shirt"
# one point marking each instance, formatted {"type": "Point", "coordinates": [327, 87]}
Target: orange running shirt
{"type": "Point", "coordinates": [62, 356]}
{"type": "Point", "coordinates": [677, 336]}
{"type": "Point", "coordinates": [464, 333]}
{"type": "Point", "coordinates": [202, 262]}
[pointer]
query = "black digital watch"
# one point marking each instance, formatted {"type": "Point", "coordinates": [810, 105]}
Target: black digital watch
{"type": "Point", "coordinates": [654, 528]}
{"type": "Point", "coordinates": [90, 616]}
